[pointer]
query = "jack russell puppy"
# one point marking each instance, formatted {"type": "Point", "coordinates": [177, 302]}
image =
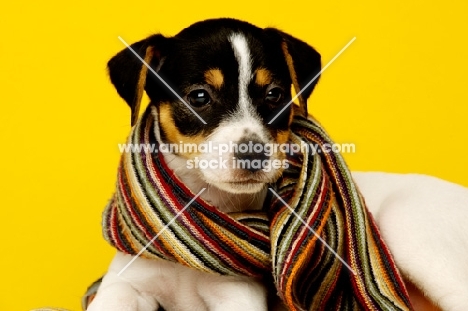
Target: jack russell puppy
{"type": "Point", "coordinates": [235, 76]}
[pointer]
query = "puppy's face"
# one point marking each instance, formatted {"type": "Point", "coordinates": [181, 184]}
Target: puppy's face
{"type": "Point", "coordinates": [232, 75]}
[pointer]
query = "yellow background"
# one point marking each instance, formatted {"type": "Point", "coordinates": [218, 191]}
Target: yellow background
{"type": "Point", "coordinates": [399, 93]}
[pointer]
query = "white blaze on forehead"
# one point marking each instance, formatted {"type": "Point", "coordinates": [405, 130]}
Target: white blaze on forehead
{"type": "Point", "coordinates": [245, 119]}
{"type": "Point", "coordinates": [243, 57]}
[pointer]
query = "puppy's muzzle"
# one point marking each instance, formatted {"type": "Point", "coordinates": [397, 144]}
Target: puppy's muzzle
{"type": "Point", "coordinates": [255, 152]}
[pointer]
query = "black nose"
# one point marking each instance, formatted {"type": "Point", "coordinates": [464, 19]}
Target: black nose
{"type": "Point", "coordinates": [250, 155]}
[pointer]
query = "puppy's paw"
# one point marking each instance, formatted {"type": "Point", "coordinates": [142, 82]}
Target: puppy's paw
{"type": "Point", "coordinates": [122, 297]}
{"type": "Point", "coordinates": [235, 294]}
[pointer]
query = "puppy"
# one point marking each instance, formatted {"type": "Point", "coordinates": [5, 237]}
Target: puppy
{"type": "Point", "coordinates": [235, 76]}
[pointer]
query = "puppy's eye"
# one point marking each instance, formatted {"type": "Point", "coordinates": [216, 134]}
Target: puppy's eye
{"type": "Point", "coordinates": [274, 96]}
{"type": "Point", "coordinates": [199, 98]}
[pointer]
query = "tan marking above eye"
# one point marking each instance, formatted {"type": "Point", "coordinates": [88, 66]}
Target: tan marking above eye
{"type": "Point", "coordinates": [263, 77]}
{"type": "Point", "coordinates": [214, 77]}
{"type": "Point", "coordinates": [172, 133]}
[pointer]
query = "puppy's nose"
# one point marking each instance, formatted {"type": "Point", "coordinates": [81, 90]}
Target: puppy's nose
{"type": "Point", "coordinates": [251, 155]}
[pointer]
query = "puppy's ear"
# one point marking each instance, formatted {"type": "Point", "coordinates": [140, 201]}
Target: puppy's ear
{"type": "Point", "coordinates": [303, 62]}
{"type": "Point", "coordinates": [128, 73]}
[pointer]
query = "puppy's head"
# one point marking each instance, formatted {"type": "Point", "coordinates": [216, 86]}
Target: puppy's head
{"type": "Point", "coordinates": [234, 76]}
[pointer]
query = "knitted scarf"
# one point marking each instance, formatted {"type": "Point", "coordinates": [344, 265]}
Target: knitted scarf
{"type": "Point", "coordinates": [307, 275]}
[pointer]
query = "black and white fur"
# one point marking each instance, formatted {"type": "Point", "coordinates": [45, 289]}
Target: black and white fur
{"type": "Point", "coordinates": [421, 218]}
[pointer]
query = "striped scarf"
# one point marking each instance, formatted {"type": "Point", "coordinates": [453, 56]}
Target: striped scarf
{"type": "Point", "coordinates": [279, 240]}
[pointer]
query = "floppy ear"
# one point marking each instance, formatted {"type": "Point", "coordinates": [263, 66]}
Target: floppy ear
{"type": "Point", "coordinates": [304, 64]}
{"type": "Point", "coordinates": [128, 73]}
